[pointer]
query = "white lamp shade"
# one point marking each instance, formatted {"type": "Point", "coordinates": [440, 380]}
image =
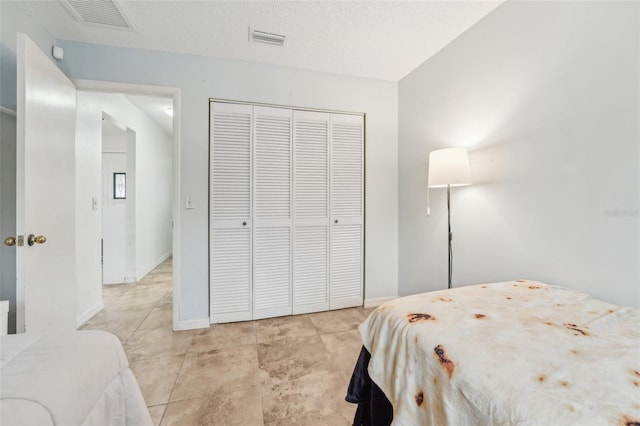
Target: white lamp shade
{"type": "Point", "coordinates": [449, 166]}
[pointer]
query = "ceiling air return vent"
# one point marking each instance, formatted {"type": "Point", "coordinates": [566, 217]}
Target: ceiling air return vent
{"type": "Point", "coordinates": [264, 37]}
{"type": "Point", "coordinates": [107, 13]}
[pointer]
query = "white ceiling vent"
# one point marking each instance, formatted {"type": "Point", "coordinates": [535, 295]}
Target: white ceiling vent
{"type": "Point", "coordinates": [107, 13]}
{"type": "Point", "coordinates": [264, 37]}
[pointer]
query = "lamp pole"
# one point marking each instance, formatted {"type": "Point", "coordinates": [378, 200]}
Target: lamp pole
{"type": "Point", "coordinates": [450, 235]}
{"type": "Point", "coordinates": [448, 167]}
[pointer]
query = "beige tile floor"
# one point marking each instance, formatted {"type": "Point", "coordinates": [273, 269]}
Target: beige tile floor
{"type": "Point", "coordinates": [279, 371]}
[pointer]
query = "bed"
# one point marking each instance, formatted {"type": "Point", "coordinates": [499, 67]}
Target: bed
{"type": "Point", "coordinates": [511, 353]}
{"type": "Point", "coordinates": [78, 378]}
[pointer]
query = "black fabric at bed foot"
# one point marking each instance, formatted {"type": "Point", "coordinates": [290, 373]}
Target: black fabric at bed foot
{"type": "Point", "coordinates": [374, 409]}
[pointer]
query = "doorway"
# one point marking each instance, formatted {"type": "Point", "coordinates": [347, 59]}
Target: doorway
{"type": "Point", "coordinates": [118, 202]}
{"type": "Point", "coordinates": [78, 194]}
{"type": "Point", "coordinates": [130, 172]}
{"type": "Point", "coordinates": [144, 102]}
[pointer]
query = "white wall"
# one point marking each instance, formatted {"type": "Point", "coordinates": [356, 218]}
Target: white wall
{"type": "Point", "coordinates": [153, 182]}
{"type": "Point", "coordinates": [199, 78]}
{"type": "Point", "coordinates": [114, 211]}
{"type": "Point", "coordinates": [546, 97]}
{"type": "Point", "coordinates": [88, 221]}
{"type": "Point", "coordinates": [13, 20]}
{"type": "Point", "coordinates": [8, 212]}
{"type": "Point", "coordinates": [114, 226]}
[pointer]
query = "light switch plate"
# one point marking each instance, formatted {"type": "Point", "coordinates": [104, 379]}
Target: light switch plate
{"type": "Point", "coordinates": [187, 202]}
{"type": "Point", "coordinates": [94, 203]}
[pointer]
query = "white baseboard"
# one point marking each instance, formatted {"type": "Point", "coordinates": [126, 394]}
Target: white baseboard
{"type": "Point", "coordinates": [193, 324]}
{"type": "Point", "coordinates": [155, 264]}
{"type": "Point", "coordinates": [180, 325]}
{"type": "Point", "coordinates": [89, 313]}
{"type": "Point", "coordinates": [377, 301]}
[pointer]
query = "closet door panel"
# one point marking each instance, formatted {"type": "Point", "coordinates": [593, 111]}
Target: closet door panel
{"type": "Point", "coordinates": [230, 208]}
{"type": "Point", "coordinates": [287, 209]}
{"type": "Point", "coordinates": [231, 162]}
{"type": "Point", "coordinates": [272, 272]}
{"type": "Point", "coordinates": [311, 293]}
{"type": "Point", "coordinates": [311, 165]}
{"type": "Point", "coordinates": [346, 266]}
{"type": "Point", "coordinates": [231, 275]}
{"type": "Point", "coordinates": [346, 166]}
{"type": "Point", "coordinates": [272, 162]}
{"type": "Point", "coordinates": [311, 212]}
{"type": "Point", "coordinates": [272, 212]}
{"type": "Point", "coordinates": [347, 208]}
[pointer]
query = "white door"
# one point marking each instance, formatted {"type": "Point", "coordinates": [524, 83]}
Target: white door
{"type": "Point", "coordinates": [230, 208]}
{"type": "Point", "coordinates": [272, 161]}
{"type": "Point", "coordinates": [311, 212]}
{"type": "Point", "coordinates": [347, 211]}
{"type": "Point", "coordinates": [45, 194]}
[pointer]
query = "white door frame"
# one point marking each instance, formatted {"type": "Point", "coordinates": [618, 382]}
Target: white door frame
{"type": "Point", "coordinates": [174, 92]}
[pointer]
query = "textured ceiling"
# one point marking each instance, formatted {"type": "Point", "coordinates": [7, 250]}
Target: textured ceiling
{"type": "Point", "coordinates": [378, 39]}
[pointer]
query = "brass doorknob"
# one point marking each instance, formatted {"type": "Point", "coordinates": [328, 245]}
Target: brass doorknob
{"type": "Point", "coordinates": [10, 241]}
{"type": "Point", "coordinates": [32, 239]}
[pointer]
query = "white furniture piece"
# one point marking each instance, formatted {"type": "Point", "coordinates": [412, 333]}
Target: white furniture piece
{"type": "Point", "coordinates": [287, 211]}
{"type": "Point", "coordinates": [74, 378]}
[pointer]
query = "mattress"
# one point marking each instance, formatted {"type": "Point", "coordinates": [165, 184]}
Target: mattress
{"type": "Point", "coordinates": [78, 378]}
{"type": "Point", "coordinates": [511, 353]}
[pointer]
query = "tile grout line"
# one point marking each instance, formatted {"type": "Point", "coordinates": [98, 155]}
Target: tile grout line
{"type": "Point", "coordinates": [173, 388]}
{"type": "Point", "coordinates": [260, 387]}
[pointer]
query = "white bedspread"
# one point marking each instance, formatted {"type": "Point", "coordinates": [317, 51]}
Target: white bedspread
{"type": "Point", "coordinates": [514, 353]}
{"type": "Point", "coordinates": [79, 378]}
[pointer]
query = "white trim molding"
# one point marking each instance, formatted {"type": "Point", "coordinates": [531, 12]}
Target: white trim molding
{"type": "Point", "coordinates": [377, 301]}
{"type": "Point", "coordinates": [181, 325]}
{"type": "Point", "coordinates": [155, 264]}
{"type": "Point", "coordinates": [175, 93]}
{"type": "Point", "coordinates": [89, 313]}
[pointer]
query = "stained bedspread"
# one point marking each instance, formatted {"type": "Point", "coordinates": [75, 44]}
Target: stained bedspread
{"type": "Point", "coordinates": [512, 353]}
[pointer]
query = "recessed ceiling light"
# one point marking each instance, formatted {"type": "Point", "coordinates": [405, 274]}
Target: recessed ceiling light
{"type": "Point", "coordinates": [169, 111]}
{"type": "Point", "coordinates": [265, 37]}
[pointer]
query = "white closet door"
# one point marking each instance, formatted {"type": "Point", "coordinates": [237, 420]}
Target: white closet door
{"type": "Point", "coordinates": [347, 231]}
{"type": "Point", "coordinates": [311, 212]}
{"type": "Point", "coordinates": [272, 236]}
{"type": "Point", "coordinates": [230, 209]}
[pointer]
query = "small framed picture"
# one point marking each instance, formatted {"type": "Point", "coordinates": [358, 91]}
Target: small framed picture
{"type": "Point", "coordinates": [119, 186]}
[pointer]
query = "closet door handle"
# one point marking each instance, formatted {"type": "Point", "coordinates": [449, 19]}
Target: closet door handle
{"type": "Point", "coordinates": [335, 221]}
{"type": "Point", "coordinates": [244, 223]}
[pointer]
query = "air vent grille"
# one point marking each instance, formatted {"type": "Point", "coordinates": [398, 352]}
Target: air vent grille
{"type": "Point", "coordinates": [99, 12]}
{"type": "Point", "coordinates": [264, 37]}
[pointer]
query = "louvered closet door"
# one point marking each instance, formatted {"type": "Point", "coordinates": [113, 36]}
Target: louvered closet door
{"type": "Point", "coordinates": [347, 230]}
{"type": "Point", "coordinates": [311, 212]}
{"type": "Point", "coordinates": [272, 237]}
{"type": "Point", "coordinates": [230, 209]}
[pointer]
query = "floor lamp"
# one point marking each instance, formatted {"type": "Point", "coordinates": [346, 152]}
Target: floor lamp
{"type": "Point", "coordinates": [449, 167]}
